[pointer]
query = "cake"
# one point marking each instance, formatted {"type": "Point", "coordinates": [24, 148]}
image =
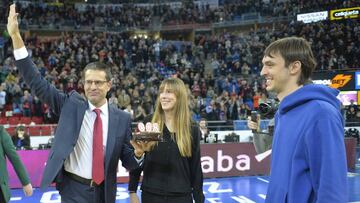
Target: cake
{"type": "Point", "coordinates": [148, 132]}
{"type": "Point", "coordinates": [147, 136]}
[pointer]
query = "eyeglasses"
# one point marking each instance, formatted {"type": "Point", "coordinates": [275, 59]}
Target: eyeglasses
{"type": "Point", "coordinates": [97, 83]}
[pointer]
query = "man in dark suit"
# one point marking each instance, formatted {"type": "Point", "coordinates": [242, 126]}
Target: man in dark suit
{"type": "Point", "coordinates": [203, 130]}
{"type": "Point", "coordinates": [91, 135]}
{"type": "Point", "coordinates": [7, 150]}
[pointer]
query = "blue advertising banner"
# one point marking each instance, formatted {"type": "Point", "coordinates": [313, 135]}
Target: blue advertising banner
{"type": "Point", "coordinates": [357, 80]}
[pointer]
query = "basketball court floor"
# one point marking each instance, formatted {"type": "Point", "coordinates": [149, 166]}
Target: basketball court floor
{"type": "Point", "coordinates": [249, 189]}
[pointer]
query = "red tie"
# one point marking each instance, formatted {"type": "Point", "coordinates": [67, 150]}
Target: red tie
{"type": "Point", "coordinates": [98, 155]}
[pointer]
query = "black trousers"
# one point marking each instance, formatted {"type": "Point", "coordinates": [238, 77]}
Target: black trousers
{"type": "Point", "coordinates": [147, 197]}
{"type": "Point", "coordinates": [72, 191]}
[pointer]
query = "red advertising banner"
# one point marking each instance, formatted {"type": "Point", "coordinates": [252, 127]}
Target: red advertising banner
{"type": "Point", "coordinates": [232, 159]}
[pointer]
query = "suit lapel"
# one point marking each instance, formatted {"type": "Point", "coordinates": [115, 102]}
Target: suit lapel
{"type": "Point", "coordinates": [110, 143]}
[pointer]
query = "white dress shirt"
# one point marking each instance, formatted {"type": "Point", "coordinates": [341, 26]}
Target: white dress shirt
{"type": "Point", "coordinates": [80, 160]}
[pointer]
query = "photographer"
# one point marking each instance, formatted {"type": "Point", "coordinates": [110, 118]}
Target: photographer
{"type": "Point", "coordinates": [262, 139]}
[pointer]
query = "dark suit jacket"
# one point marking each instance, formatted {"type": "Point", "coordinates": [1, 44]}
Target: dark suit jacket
{"type": "Point", "coordinates": [7, 149]}
{"type": "Point", "coordinates": [71, 108]}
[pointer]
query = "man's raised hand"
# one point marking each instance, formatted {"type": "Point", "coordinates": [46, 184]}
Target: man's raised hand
{"type": "Point", "coordinates": [13, 25]}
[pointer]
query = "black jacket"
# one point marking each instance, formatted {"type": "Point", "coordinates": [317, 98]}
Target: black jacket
{"type": "Point", "coordinates": [24, 143]}
{"type": "Point", "coordinates": [166, 172]}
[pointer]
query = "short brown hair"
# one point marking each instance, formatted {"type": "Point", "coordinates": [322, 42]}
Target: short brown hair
{"type": "Point", "coordinates": [294, 49]}
{"type": "Point", "coordinates": [98, 66]}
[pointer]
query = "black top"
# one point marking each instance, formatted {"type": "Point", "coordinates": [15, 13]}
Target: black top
{"type": "Point", "coordinates": [166, 172]}
{"type": "Point", "coordinates": [21, 143]}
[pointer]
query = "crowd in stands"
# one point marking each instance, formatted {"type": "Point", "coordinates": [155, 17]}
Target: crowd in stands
{"type": "Point", "coordinates": [133, 15]}
{"type": "Point", "coordinates": [137, 73]}
{"type": "Point", "coordinates": [335, 45]}
{"type": "Point", "coordinates": [230, 91]}
{"type": "Point", "coordinates": [234, 8]}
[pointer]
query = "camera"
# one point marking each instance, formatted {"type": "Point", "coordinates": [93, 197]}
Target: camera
{"type": "Point", "coordinates": [211, 138]}
{"type": "Point", "coordinates": [268, 109]}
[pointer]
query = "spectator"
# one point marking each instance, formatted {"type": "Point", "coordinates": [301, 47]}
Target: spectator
{"type": "Point", "coordinates": [203, 129]}
{"type": "Point", "coordinates": [38, 107]}
{"type": "Point", "coordinates": [351, 114]}
{"type": "Point", "coordinates": [140, 114]}
{"type": "Point", "coordinates": [21, 139]}
{"type": "Point", "coordinates": [233, 113]}
{"type": "Point", "coordinates": [2, 96]}
{"type": "Point", "coordinates": [26, 104]}
{"type": "Point", "coordinates": [113, 100]}
{"type": "Point", "coordinates": [352, 104]}
{"type": "Point", "coordinates": [124, 99]}
{"type": "Point", "coordinates": [256, 100]}
{"type": "Point", "coordinates": [130, 111]}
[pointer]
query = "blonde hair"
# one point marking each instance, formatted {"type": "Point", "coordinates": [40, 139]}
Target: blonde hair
{"type": "Point", "coordinates": [182, 120]}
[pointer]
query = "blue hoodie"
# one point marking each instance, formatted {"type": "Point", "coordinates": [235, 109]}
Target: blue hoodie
{"type": "Point", "coordinates": [308, 161]}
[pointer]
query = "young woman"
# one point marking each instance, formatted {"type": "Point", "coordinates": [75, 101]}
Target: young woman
{"type": "Point", "coordinates": [172, 168]}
